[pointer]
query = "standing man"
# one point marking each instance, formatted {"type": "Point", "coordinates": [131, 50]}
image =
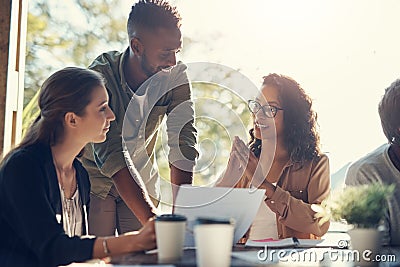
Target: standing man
{"type": "Point", "coordinates": [382, 165]}
{"type": "Point", "coordinates": [117, 200]}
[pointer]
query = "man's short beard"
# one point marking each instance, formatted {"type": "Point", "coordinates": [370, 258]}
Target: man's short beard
{"type": "Point", "coordinates": [146, 66]}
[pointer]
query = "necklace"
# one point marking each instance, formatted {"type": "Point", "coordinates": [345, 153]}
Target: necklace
{"type": "Point", "coordinates": [68, 212]}
{"type": "Point", "coordinates": [68, 209]}
{"type": "Point", "coordinates": [72, 188]}
{"type": "Point", "coordinates": [68, 200]}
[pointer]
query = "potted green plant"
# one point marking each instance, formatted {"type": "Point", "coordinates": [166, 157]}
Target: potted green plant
{"type": "Point", "coordinates": [363, 207]}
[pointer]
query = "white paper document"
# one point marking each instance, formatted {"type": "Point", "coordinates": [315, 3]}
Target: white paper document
{"type": "Point", "coordinates": [240, 204]}
{"type": "Point", "coordinates": [337, 240]}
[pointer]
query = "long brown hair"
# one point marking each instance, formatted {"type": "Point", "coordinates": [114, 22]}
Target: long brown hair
{"type": "Point", "coordinates": [302, 140]}
{"type": "Point", "coordinates": [67, 90]}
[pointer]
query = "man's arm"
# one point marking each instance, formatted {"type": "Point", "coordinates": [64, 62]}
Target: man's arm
{"type": "Point", "coordinates": [179, 177]}
{"type": "Point", "coordinates": [182, 134]}
{"type": "Point", "coordinates": [133, 195]}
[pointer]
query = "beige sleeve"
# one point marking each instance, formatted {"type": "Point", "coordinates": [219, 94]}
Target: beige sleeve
{"type": "Point", "coordinates": [297, 214]}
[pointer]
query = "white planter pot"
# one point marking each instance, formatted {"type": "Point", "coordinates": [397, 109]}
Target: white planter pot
{"type": "Point", "coordinates": [367, 242]}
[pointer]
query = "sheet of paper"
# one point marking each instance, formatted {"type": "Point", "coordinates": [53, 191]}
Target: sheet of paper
{"type": "Point", "coordinates": [240, 204]}
{"type": "Point", "coordinates": [287, 242]}
{"type": "Point", "coordinates": [333, 240]}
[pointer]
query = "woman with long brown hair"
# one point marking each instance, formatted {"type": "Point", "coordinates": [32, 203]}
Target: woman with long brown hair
{"type": "Point", "coordinates": [44, 190]}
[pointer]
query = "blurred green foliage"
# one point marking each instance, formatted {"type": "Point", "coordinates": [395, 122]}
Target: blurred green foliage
{"type": "Point", "coordinates": [54, 41]}
{"type": "Point", "coordinates": [220, 115]}
{"type": "Point", "coordinates": [363, 206]}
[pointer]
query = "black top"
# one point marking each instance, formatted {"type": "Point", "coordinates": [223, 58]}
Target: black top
{"type": "Point", "coordinates": [29, 202]}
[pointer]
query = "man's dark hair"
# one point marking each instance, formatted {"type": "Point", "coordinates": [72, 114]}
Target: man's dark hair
{"type": "Point", "coordinates": [389, 110]}
{"type": "Point", "coordinates": [151, 15]}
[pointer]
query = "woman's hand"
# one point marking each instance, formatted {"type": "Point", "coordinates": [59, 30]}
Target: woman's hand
{"type": "Point", "coordinates": [248, 161]}
{"type": "Point", "coordinates": [253, 166]}
{"type": "Point", "coordinates": [233, 175]}
{"type": "Point", "coordinates": [145, 238]}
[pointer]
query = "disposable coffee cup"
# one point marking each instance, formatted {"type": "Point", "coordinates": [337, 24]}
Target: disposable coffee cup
{"type": "Point", "coordinates": [170, 236]}
{"type": "Point", "coordinates": [214, 240]}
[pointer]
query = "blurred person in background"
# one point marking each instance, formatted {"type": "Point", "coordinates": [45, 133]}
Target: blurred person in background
{"type": "Point", "coordinates": [383, 164]}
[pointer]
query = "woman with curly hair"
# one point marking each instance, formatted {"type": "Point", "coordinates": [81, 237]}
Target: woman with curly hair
{"type": "Point", "coordinates": [283, 157]}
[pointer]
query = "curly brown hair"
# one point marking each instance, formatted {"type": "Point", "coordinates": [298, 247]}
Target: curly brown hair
{"type": "Point", "coordinates": [302, 140]}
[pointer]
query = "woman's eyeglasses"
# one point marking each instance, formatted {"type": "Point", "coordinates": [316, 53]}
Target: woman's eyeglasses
{"type": "Point", "coordinates": [268, 110]}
